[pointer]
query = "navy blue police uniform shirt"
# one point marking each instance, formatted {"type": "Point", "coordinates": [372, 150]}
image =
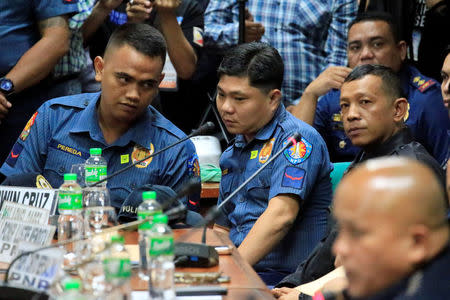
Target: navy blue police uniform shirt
{"type": "Point", "coordinates": [303, 171]}
{"type": "Point", "coordinates": [63, 130]}
{"type": "Point", "coordinates": [427, 118]}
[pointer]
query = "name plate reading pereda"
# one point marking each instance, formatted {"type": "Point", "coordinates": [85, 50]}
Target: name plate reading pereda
{"type": "Point", "coordinates": [37, 270]}
{"type": "Point", "coordinates": [42, 198]}
{"type": "Point", "coordinates": [14, 232]}
{"type": "Point", "coordinates": [26, 213]}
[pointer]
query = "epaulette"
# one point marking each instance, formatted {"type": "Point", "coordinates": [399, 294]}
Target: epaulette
{"type": "Point", "coordinates": [79, 101]}
{"type": "Point", "coordinates": [422, 84]}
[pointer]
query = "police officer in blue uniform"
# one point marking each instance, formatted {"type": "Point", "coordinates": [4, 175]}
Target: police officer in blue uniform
{"type": "Point", "coordinates": [373, 38]}
{"type": "Point", "coordinates": [119, 120]}
{"type": "Point", "coordinates": [278, 218]}
{"type": "Point", "coordinates": [34, 34]}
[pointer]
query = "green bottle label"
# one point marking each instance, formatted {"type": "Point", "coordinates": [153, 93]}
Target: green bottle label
{"type": "Point", "coordinates": [161, 245]}
{"type": "Point", "coordinates": [144, 214]}
{"type": "Point", "coordinates": [95, 173]}
{"type": "Point", "coordinates": [70, 200]}
{"type": "Point", "coordinates": [117, 268]}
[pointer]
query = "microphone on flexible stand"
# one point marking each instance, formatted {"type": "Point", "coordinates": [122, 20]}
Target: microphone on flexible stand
{"type": "Point", "coordinates": [205, 128]}
{"type": "Point", "coordinates": [202, 255]}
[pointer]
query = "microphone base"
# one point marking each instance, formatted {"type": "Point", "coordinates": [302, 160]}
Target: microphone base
{"type": "Point", "coordinates": [8, 292]}
{"type": "Point", "coordinates": [198, 255]}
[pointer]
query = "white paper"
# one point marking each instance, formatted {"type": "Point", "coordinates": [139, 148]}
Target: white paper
{"type": "Point", "coordinates": [21, 212]}
{"type": "Point", "coordinates": [143, 295]}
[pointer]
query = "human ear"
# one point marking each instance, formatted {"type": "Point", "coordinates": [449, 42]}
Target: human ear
{"type": "Point", "coordinates": [400, 109]}
{"type": "Point", "coordinates": [99, 65]}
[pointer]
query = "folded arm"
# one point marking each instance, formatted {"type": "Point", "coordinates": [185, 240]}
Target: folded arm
{"type": "Point", "coordinates": [270, 228]}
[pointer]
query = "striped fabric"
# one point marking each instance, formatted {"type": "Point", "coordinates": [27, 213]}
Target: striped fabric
{"type": "Point", "coordinates": [75, 60]}
{"type": "Point", "coordinates": [310, 35]}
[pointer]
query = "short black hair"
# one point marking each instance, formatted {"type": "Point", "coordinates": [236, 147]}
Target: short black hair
{"type": "Point", "coordinates": [143, 37]}
{"type": "Point", "coordinates": [390, 81]}
{"type": "Point", "coordinates": [445, 52]}
{"type": "Point", "coordinates": [378, 16]}
{"type": "Point", "coordinates": [260, 62]}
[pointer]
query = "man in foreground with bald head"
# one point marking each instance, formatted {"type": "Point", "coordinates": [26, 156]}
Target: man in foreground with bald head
{"type": "Point", "coordinates": [393, 236]}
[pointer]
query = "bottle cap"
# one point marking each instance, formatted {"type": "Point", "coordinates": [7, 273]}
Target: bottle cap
{"type": "Point", "coordinates": [117, 239]}
{"type": "Point", "coordinates": [149, 195]}
{"type": "Point", "coordinates": [160, 219]}
{"type": "Point", "coordinates": [72, 284]}
{"type": "Point", "coordinates": [95, 151]}
{"type": "Point", "coordinates": [70, 176]}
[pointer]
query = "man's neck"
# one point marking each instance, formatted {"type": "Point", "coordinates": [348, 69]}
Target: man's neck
{"type": "Point", "coordinates": [112, 130]}
{"type": "Point", "coordinates": [375, 146]}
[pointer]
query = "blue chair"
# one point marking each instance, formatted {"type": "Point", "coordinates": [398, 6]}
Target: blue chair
{"type": "Point", "coordinates": [336, 174]}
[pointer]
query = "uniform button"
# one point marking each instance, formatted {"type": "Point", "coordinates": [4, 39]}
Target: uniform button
{"type": "Point", "coordinates": [241, 200]}
{"type": "Point", "coordinates": [62, 170]}
{"type": "Point", "coordinates": [238, 228]}
{"type": "Point", "coordinates": [133, 185]}
{"type": "Point", "coordinates": [86, 103]}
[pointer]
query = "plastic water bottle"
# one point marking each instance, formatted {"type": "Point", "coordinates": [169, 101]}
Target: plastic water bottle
{"type": "Point", "coordinates": [95, 167]}
{"type": "Point", "coordinates": [161, 266]}
{"type": "Point", "coordinates": [70, 220]}
{"type": "Point", "coordinates": [149, 207]}
{"type": "Point", "coordinates": [117, 268]}
{"type": "Point", "coordinates": [72, 290]}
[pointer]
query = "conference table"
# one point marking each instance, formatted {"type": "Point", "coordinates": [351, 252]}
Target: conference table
{"type": "Point", "coordinates": [210, 190]}
{"type": "Point", "coordinates": [244, 283]}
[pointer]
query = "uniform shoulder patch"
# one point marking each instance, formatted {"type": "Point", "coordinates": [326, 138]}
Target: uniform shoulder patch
{"type": "Point", "coordinates": [299, 152]}
{"type": "Point", "coordinates": [193, 165]}
{"type": "Point", "coordinates": [293, 177]}
{"type": "Point", "coordinates": [26, 131]}
{"type": "Point", "coordinates": [422, 84]}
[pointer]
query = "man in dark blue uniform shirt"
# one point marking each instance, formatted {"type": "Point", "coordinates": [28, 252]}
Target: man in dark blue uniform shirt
{"type": "Point", "coordinates": [373, 38]}
{"type": "Point", "coordinates": [34, 35]}
{"type": "Point", "coordinates": [278, 218]}
{"type": "Point", "coordinates": [119, 120]}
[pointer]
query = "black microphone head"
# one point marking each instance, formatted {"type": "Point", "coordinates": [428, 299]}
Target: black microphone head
{"type": "Point", "coordinates": [191, 186]}
{"type": "Point", "coordinates": [208, 127]}
{"type": "Point", "coordinates": [297, 137]}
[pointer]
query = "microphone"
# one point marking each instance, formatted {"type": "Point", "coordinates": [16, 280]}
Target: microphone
{"type": "Point", "coordinates": [202, 255]}
{"type": "Point", "coordinates": [205, 128]}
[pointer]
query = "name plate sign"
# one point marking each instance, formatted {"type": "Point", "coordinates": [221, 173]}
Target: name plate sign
{"type": "Point", "coordinates": [15, 232]}
{"type": "Point", "coordinates": [26, 213]}
{"type": "Point", "coordinates": [41, 198]}
{"type": "Point", "coordinates": [37, 270]}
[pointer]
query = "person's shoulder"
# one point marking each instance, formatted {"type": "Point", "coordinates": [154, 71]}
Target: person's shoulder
{"type": "Point", "coordinates": [79, 101]}
{"type": "Point", "coordinates": [329, 102]}
{"type": "Point", "coordinates": [166, 127]}
{"type": "Point", "coordinates": [290, 124]}
{"type": "Point", "coordinates": [417, 151]}
{"type": "Point", "coordinates": [420, 83]}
